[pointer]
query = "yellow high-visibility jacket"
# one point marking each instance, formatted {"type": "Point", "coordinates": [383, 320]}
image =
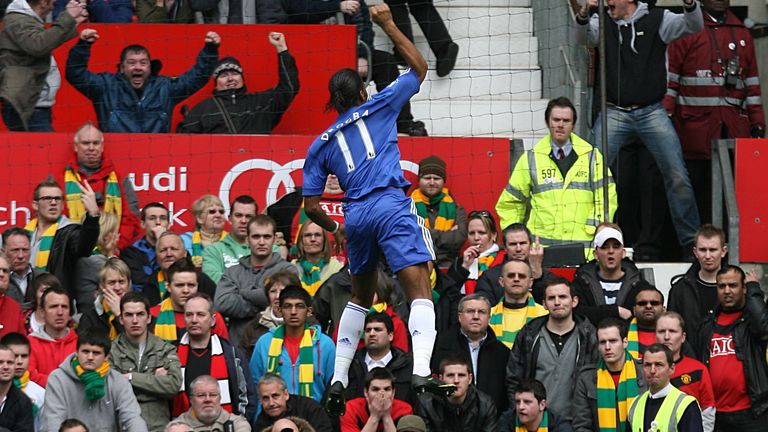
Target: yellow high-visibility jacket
{"type": "Point", "coordinates": [563, 210]}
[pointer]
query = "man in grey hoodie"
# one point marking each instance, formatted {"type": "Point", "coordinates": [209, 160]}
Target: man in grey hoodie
{"type": "Point", "coordinates": [240, 293]}
{"type": "Point", "coordinates": [29, 76]}
{"type": "Point", "coordinates": [87, 388]}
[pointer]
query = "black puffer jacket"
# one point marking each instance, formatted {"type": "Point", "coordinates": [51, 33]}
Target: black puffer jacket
{"type": "Point", "coordinates": [586, 285]}
{"type": "Point", "coordinates": [70, 243]}
{"type": "Point", "coordinates": [524, 354]}
{"type": "Point", "coordinates": [477, 413]}
{"type": "Point", "coordinates": [750, 337]}
{"type": "Point", "coordinates": [251, 113]}
{"type": "Point", "coordinates": [685, 298]}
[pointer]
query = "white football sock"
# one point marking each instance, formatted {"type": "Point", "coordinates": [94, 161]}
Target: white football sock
{"type": "Point", "coordinates": [421, 324]}
{"type": "Point", "coordinates": [351, 326]}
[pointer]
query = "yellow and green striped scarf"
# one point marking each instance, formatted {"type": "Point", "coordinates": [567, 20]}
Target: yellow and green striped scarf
{"type": "Point", "coordinates": [165, 327]}
{"type": "Point", "coordinates": [503, 329]}
{"type": "Point", "coordinates": [93, 381]}
{"type": "Point", "coordinates": [310, 275]}
{"type": "Point", "coordinates": [46, 242]}
{"type": "Point", "coordinates": [22, 381]}
{"type": "Point", "coordinates": [111, 317]}
{"type": "Point", "coordinates": [113, 203]}
{"type": "Point", "coordinates": [484, 262]}
{"type": "Point", "coordinates": [609, 398]}
{"type": "Point", "coordinates": [446, 211]}
{"type": "Point", "coordinates": [197, 246]}
{"type": "Point", "coordinates": [306, 365]}
{"type": "Point", "coordinates": [633, 339]}
{"type": "Point", "coordinates": [161, 285]}
{"type": "Point", "coordinates": [543, 426]}
{"type": "Point", "coordinates": [377, 308]}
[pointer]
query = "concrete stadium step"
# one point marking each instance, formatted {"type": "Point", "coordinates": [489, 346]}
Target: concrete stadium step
{"type": "Point", "coordinates": [481, 84]}
{"type": "Point", "coordinates": [489, 118]}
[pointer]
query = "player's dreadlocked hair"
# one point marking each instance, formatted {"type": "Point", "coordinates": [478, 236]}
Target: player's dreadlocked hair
{"type": "Point", "coordinates": [345, 87]}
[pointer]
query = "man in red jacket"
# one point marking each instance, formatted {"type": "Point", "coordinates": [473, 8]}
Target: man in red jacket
{"type": "Point", "coordinates": [713, 91]}
{"type": "Point", "coordinates": [56, 340]}
{"type": "Point", "coordinates": [113, 193]}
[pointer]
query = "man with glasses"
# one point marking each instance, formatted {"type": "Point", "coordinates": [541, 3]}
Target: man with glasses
{"type": "Point", "coordinates": [58, 242]}
{"type": "Point", "coordinates": [226, 253]}
{"type": "Point", "coordinates": [297, 351]}
{"type": "Point", "coordinates": [473, 339]}
{"type": "Point", "coordinates": [205, 412]}
{"type": "Point", "coordinates": [561, 179]}
{"type": "Point", "coordinates": [141, 256]}
{"type": "Point", "coordinates": [114, 194]}
{"type": "Point", "coordinates": [649, 305]}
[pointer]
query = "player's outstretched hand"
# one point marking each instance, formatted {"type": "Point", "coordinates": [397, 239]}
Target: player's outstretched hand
{"type": "Point", "coordinates": [89, 35]}
{"type": "Point", "coordinates": [278, 41]}
{"type": "Point", "coordinates": [212, 38]}
{"type": "Point", "coordinates": [380, 14]}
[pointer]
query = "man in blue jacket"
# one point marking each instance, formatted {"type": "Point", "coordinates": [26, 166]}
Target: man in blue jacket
{"type": "Point", "coordinates": [136, 99]}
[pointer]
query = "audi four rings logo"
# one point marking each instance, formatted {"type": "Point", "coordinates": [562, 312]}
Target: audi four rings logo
{"type": "Point", "coordinates": [281, 176]}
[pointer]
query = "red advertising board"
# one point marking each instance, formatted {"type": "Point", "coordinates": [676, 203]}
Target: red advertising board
{"type": "Point", "coordinates": [751, 181]}
{"type": "Point", "coordinates": [177, 169]}
{"type": "Point", "coordinates": [319, 50]}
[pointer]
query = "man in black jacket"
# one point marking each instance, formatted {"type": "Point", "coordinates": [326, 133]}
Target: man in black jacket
{"type": "Point", "coordinates": [277, 403]}
{"type": "Point", "coordinates": [379, 352]}
{"type": "Point", "coordinates": [607, 286]}
{"type": "Point", "coordinates": [231, 110]}
{"type": "Point", "coordinates": [476, 342]}
{"type": "Point", "coordinates": [694, 294]}
{"type": "Point", "coordinates": [732, 342]}
{"type": "Point", "coordinates": [466, 410]}
{"type": "Point", "coordinates": [16, 409]}
{"type": "Point", "coordinates": [57, 242]}
{"type": "Point", "coordinates": [553, 349]}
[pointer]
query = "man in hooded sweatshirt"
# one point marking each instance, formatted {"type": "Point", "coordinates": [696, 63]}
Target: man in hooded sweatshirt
{"type": "Point", "coordinates": [29, 76]}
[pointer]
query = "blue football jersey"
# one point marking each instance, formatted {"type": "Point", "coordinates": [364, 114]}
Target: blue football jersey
{"type": "Point", "coordinates": [360, 148]}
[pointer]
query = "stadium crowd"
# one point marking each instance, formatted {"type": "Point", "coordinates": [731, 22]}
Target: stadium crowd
{"type": "Point", "coordinates": [110, 320]}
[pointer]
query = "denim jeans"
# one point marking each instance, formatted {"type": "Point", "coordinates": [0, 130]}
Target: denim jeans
{"type": "Point", "coordinates": [652, 126]}
{"type": "Point", "coordinates": [39, 122]}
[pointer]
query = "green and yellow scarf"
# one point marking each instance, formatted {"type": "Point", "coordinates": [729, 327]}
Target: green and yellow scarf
{"type": "Point", "coordinates": [503, 328]}
{"type": "Point", "coordinates": [46, 242]}
{"type": "Point", "coordinates": [161, 285]}
{"type": "Point", "coordinates": [111, 319]}
{"type": "Point", "coordinates": [92, 380]}
{"type": "Point", "coordinates": [306, 364]}
{"type": "Point", "coordinates": [197, 246]}
{"type": "Point", "coordinates": [165, 327]}
{"type": "Point", "coordinates": [310, 275]}
{"type": "Point", "coordinates": [22, 381]}
{"type": "Point", "coordinates": [446, 211]}
{"type": "Point", "coordinates": [113, 203]}
{"type": "Point", "coordinates": [610, 399]}
{"type": "Point", "coordinates": [633, 339]}
{"type": "Point", "coordinates": [543, 426]}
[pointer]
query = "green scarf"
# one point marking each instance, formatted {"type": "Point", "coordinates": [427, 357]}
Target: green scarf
{"type": "Point", "coordinates": [310, 275]}
{"type": "Point", "coordinates": [92, 380]}
{"type": "Point", "coordinates": [446, 212]}
{"type": "Point", "coordinates": [611, 399]}
{"type": "Point", "coordinates": [543, 426]}
{"type": "Point", "coordinates": [306, 364]}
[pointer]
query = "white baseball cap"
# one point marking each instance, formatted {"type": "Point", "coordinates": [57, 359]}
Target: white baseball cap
{"type": "Point", "coordinates": [608, 233]}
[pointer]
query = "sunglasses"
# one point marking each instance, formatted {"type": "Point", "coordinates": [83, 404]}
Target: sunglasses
{"type": "Point", "coordinates": [644, 303]}
{"type": "Point", "coordinates": [214, 211]}
{"type": "Point", "coordinates": [480, 214]}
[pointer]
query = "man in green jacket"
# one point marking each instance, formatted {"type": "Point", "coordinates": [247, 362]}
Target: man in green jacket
{"type": "Point", "coordinates": [148, 362]}
{"type": "Point", "coordinates": [226, 253]}
{"type": "Point", "coordinates": [29, 77]}
{"type": "Point", "coordinates": [561, 179]}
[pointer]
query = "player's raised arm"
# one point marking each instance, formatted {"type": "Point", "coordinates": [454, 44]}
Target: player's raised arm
{"type": "Point", "coordinates": [381, 15]}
